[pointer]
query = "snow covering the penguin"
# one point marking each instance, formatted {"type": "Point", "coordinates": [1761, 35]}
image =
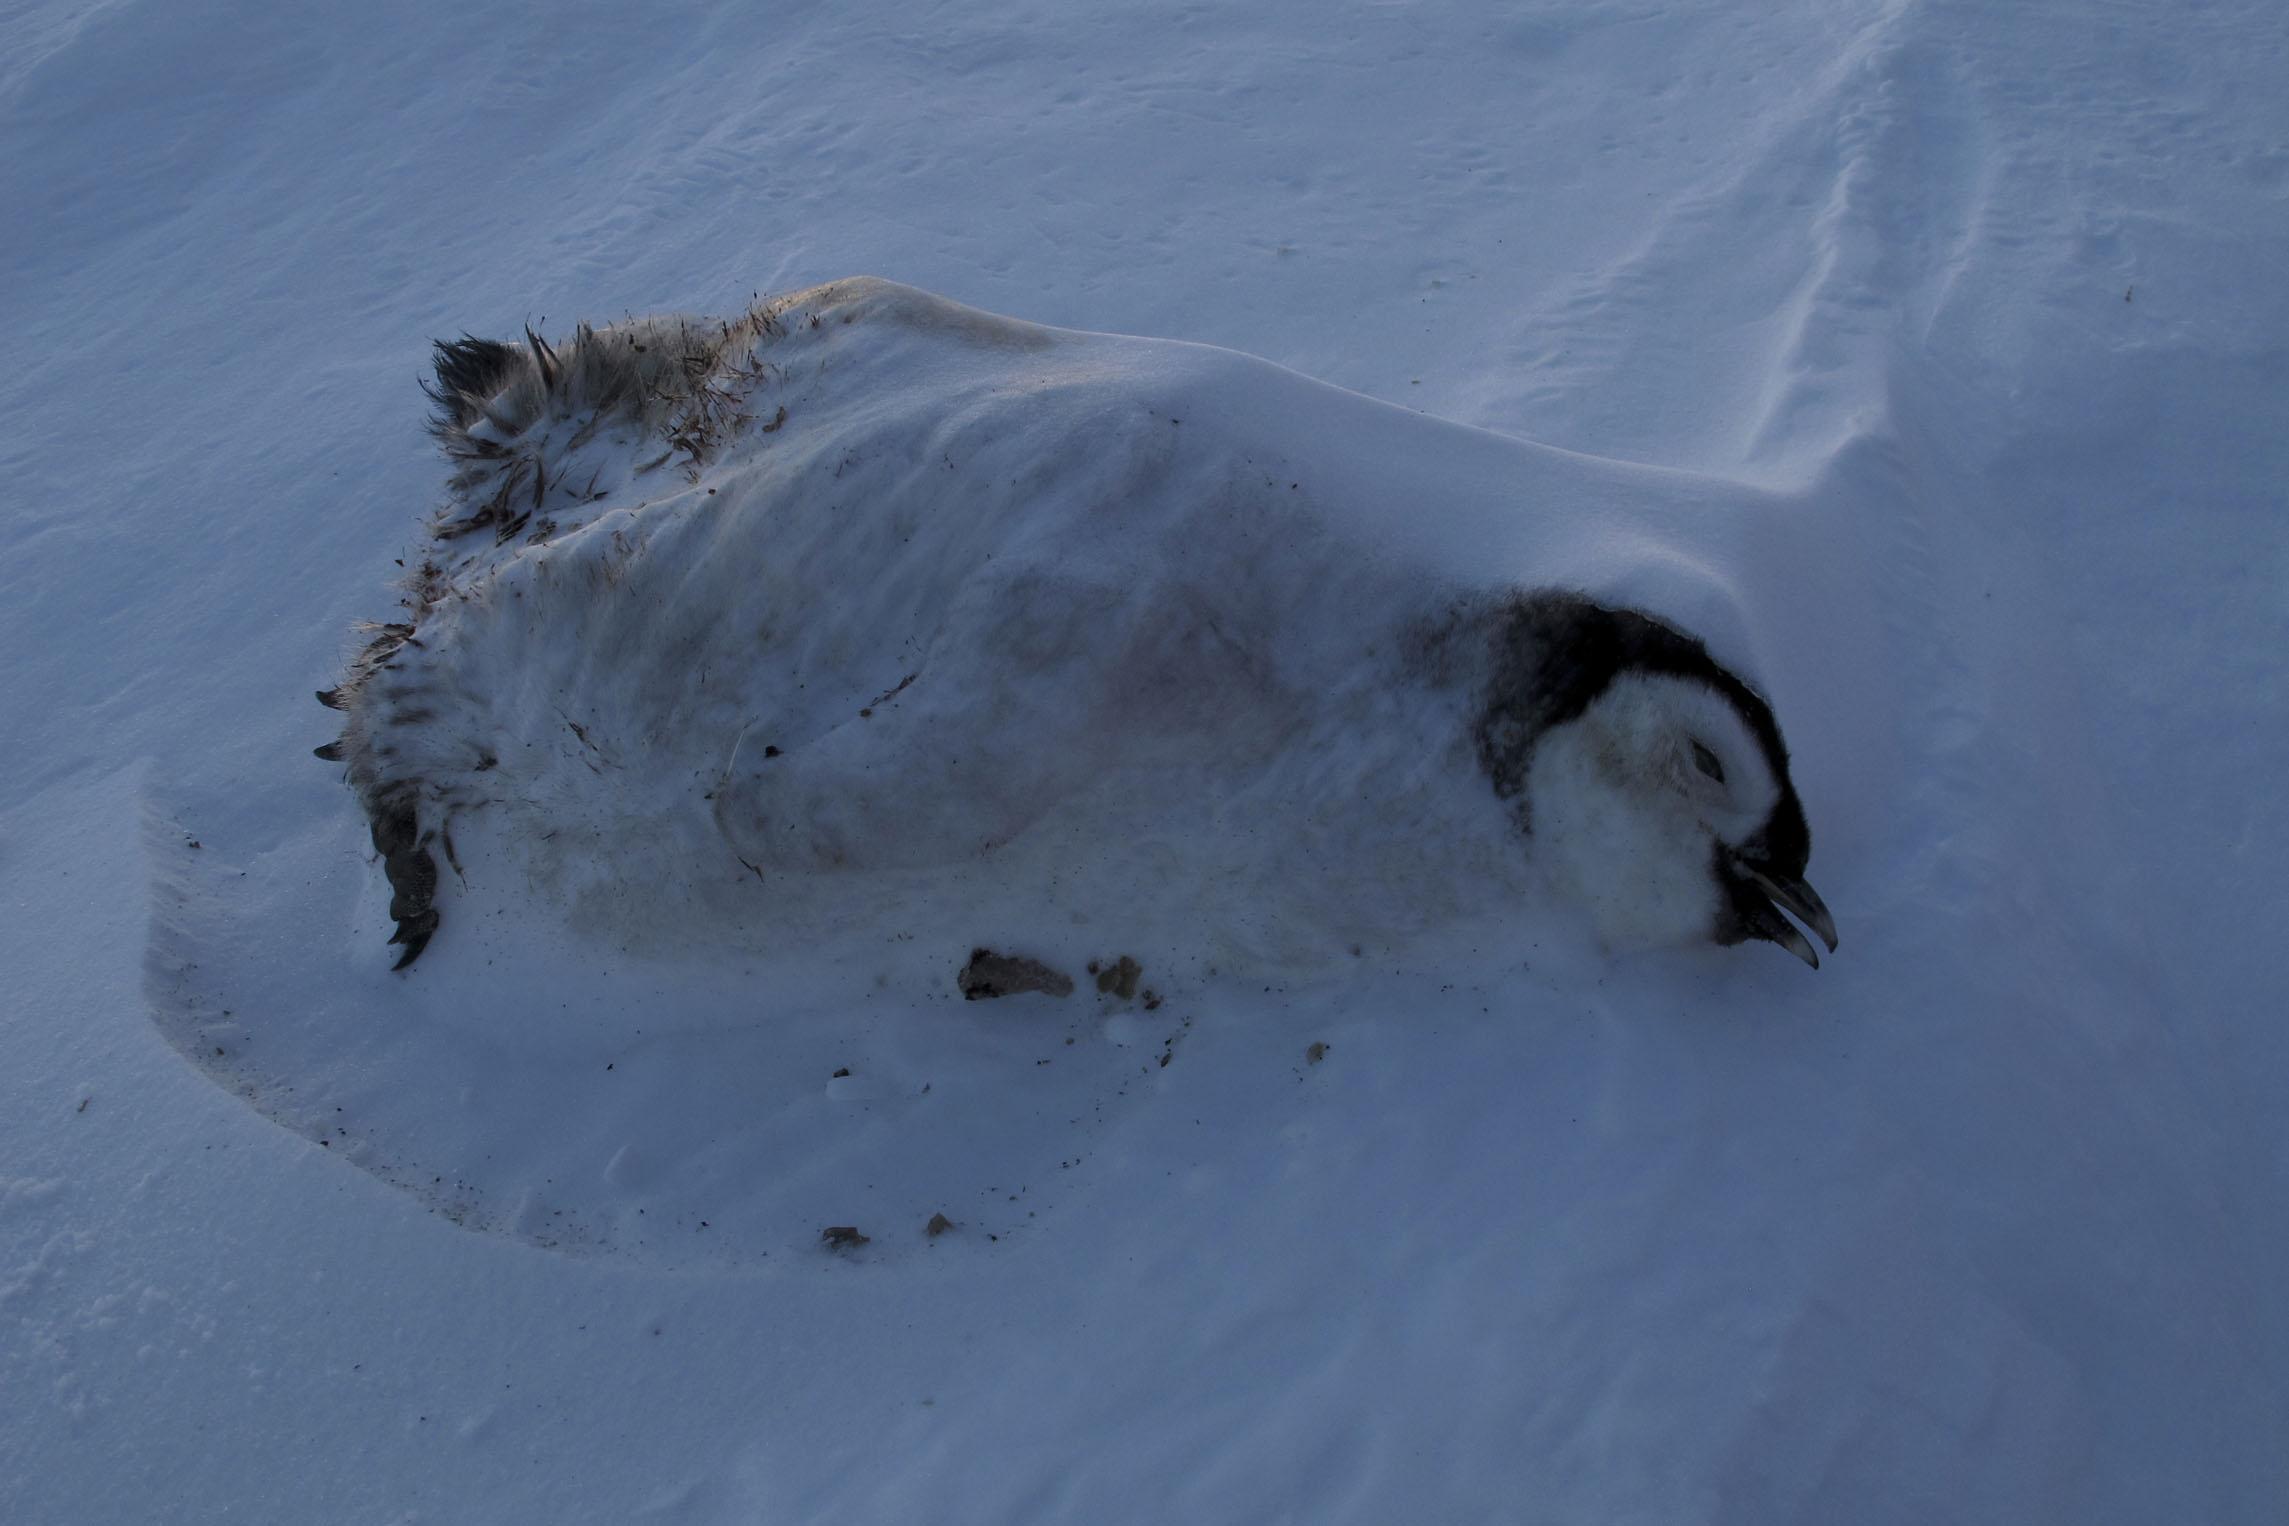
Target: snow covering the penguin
{"type": "Point", "coordinates": [1925, 359]}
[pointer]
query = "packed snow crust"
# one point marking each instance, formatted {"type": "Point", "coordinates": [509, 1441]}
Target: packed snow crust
{"type": "Point", "coordinates": [1948, 349]}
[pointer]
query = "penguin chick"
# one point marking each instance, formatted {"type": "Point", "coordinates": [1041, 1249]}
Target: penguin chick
{"type": "Point", "coordinates": [862, 609]}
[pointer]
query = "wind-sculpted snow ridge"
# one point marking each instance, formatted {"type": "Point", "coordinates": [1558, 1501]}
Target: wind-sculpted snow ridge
{"type": "Point", "coordinates": [1842, 226]}
{"type": "Point", "coordinates": [864, 609]}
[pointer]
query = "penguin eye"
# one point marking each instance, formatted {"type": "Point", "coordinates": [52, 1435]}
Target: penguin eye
{"type": "Point", "coordinates": [1706, 762]}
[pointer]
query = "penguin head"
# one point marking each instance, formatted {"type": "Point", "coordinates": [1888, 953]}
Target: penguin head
{"type": "Point", "coordinates": [1652, 782]}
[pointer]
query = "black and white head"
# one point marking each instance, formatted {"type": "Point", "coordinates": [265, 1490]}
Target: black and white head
{"type": "Point", "coordinates": [1652, 781]}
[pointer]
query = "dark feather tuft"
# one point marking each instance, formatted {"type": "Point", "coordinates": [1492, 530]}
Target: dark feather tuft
{"type": "Point", "coordinates": [469, 372]}
{"type": "Point", "coordinates": [543, 357]}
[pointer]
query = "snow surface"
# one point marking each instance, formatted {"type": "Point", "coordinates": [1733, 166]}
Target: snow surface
{"type": "Point", "coordinates": [1966, 320]}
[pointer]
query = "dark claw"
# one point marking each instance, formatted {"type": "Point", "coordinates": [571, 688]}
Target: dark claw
{"type": "Point", "coordinates": [414, 932]}
{"type": "Point", "coordinates": [415, 929]}
{"type": "Point", "coordinates": [412, 877]}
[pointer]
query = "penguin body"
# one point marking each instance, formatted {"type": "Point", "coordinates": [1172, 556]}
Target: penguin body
{"type": "Point", "coordinates": [864, 609]}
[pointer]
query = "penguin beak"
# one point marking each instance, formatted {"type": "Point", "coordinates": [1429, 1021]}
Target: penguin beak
{"type": "Point", "coordinates": [1796, 898]}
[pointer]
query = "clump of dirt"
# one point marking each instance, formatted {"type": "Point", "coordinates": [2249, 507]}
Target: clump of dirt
{"type": "Point", "coordinates": [989, 974]}
{"type": "Point", "coordinates": [1118, 979]}
{"type": "Point", "coordinates": [937, 1226]}
{"type": "Point", "coordinates": [843, 1237]}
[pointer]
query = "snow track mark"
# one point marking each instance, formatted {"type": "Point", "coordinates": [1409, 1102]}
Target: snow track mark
{"type": "Point", "coordinates": [1748, 329]}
